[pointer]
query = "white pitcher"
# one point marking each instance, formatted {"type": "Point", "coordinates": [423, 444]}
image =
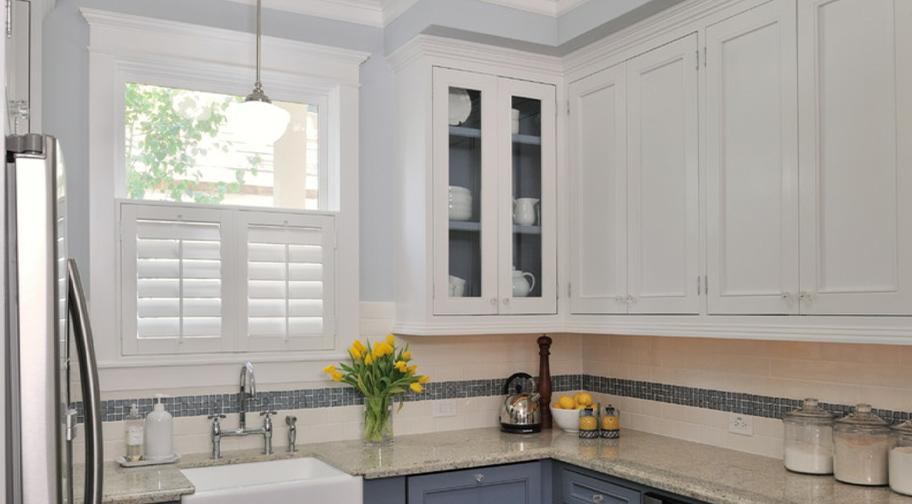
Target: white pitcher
{"type": "Point", "coordinates": [524, 211]}
{"type": "Point", "coordinates": [521, 286]}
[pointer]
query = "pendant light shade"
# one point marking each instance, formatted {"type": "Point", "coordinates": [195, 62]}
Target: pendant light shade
{"type": "Point", "coordinates": [257, 119]}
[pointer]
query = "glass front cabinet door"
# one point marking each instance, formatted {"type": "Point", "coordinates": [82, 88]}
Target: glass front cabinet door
{"type": "Point", "coordinates": [494, 196]}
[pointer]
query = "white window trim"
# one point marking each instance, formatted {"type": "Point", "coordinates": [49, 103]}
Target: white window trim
{"type": "Point", "coordinates": [121, 46]}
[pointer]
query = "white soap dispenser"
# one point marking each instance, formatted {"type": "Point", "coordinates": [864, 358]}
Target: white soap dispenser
{"type": "Point", "coordinates": [158, 432]}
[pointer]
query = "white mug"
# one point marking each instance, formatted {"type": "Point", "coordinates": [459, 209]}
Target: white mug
{"type": "Point", "coordinates": [456, 286]}
{"type": "Point", "coordinates": [524, 211]}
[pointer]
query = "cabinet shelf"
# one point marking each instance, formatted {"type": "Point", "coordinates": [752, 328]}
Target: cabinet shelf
{"type": "Point", "coordinates": [476, 227]}
{"type": "Point", "coordinates": [464, 132]}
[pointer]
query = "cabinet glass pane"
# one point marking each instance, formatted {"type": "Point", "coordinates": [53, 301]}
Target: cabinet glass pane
{"type": "Point", "coordinates": [527, 192]}
{"type": "Point", "coordinates": [465, 189]}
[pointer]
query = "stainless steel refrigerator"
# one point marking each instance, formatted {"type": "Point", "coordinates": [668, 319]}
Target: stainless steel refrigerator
{"type": "Point", "coordinates": [51, 374]}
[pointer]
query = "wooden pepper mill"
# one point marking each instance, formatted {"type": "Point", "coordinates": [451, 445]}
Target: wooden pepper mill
{"type": "Point", "coordinates": [544, 380]}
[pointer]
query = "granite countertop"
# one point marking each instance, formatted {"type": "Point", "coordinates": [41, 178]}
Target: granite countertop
{"type": "Point", "coordinates": [707, 473]}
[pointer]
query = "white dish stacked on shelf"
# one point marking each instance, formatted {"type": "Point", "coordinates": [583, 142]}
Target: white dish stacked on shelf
{"type": "Point", "coordinates": [460, 202]}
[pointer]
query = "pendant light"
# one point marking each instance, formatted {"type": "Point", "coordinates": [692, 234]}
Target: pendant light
{"type": "Point", "coordinates": [257, 118]}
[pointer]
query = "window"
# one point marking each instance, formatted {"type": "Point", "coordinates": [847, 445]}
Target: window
{"type": "Point", "coordinates": [180, 146]}
{"type": "Point", "coordinates": [209, 280]}
{"type": "Point", "coordinates": [203, 244]}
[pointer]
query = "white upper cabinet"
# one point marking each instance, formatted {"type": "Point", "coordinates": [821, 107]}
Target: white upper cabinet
{"type": "Point", "coordinates": [494, 195]}
{"type": "Point", "coordinates": [634, 213]}
{"type": "Point", "coordinates": [751, 162]}
{"type": "Point", "coordinates": [855, 115]}
{"type": "Point", "coordinates": [598, 210]}
{"type": "Point", "coordinates": [662, 170]}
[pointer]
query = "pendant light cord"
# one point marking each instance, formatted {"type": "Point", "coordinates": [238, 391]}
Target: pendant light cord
{"type": "Point", "coordinates": [257, 85]}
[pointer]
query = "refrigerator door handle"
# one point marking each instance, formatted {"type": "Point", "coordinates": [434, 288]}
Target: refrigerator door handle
{"type": "Point", "coordinates": [88, 373]}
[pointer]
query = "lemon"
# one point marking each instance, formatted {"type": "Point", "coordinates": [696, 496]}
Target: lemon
{"type": "Point", "coordinates": [566, 402]}
{"type": "Point", "coordinates": [579, 407]}
{"type": "Point", "coordinates": [576, 397]}
{"type": "Point", "coordinates": [557, 405]}
{"type": "Point", "coordinates": [584, 399]}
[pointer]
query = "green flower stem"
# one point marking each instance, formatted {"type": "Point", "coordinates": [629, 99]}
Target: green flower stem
{"type": "Point", "coordinates": [378, 419]}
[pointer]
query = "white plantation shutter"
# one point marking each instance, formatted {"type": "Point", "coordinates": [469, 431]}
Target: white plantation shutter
{"type": "Point", "coordinates": [209, 280]}
{"type": "Point", "coordinates": [288, 270]}
{"type": "Point", "coordinates": [173, 287]}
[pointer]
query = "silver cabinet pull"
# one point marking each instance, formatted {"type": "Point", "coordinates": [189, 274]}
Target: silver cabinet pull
{"type": "Point", "coordinates": [494, 300]}
{"type": "Point", "coordinates": [598, 498]}
{"type": "Point", "coordinates": [479, 478]}
{"type": "Point", "coordinates": [506, 300]}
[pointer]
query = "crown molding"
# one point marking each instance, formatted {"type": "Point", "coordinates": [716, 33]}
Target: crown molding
{"type": "Point", "coordinates": [127, 34]}
{"type": "Point", "coordinates": [664, 22]}
{"type": "Point", "coordinates": [553, 8]}
{"type": "Point", "coordinates": [376, 13]}
{"type": "Point", "coordinates": [473, 53]}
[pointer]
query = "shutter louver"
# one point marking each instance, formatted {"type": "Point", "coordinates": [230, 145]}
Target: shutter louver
{"type": "Point", "coordinates": [173, 258]}
{"type": "Point", "coordinates": [287, 270]}
{"type": "Point", "coordinates": [178, 270]}
{"type": "Point", "coordinates": [204, 280]}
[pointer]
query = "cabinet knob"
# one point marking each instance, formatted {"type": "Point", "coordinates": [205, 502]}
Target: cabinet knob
{"type": "Point", "coordinates": [630, 299]}
{"type": "Point", "coordinates": [620, 299]}
{"type": "Point", "coordinates": [506, 300]}
{"type": "Point", "coordinates": [479, 478]}
{"type": "Point", "coordinates": [598, 498]}
{"type": "Point", "coordinates": [805, 296]}
{"type": "Point", "coordinates": [494, 300]}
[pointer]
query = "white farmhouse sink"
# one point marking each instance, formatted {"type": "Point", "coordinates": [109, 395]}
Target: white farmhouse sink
{"type": "Point", "coordinates": [298, 481]}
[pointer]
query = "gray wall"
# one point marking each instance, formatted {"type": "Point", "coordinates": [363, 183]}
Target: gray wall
{"type": "Point", "coordinates": [66, 83]}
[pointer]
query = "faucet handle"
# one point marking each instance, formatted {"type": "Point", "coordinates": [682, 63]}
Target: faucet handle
{"type": "Point", "coordinates": [267, 413]}
{"type": "Point", "coordinates": [215, 416]}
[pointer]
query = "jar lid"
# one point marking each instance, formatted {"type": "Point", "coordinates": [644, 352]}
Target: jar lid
{"type": "Point", "coordinates": [904, 428]}
{"type": "Point", "coordinates": [810, 410]}
{"type": "Point", "coordinates": [862, 418]}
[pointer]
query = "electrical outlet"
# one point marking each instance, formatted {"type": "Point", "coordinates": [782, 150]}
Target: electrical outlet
{"type": "Point", "coordinates": [443, 409]}
{"type": "Point", "coordinates": [740, 424]}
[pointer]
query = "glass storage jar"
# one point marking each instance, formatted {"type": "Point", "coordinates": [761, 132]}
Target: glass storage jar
{"type": "Point", "coordinates": [809, 439]}
{"type": "Point", "coordinates": [588, 423]}
{"type": "Point", "coordinates": [862, 441]}
{"type": "Point", "coordinates": [900, 459]}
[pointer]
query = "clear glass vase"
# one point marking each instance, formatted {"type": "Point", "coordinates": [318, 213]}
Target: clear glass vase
{"type": "Point", "coordinates": [377, 429]}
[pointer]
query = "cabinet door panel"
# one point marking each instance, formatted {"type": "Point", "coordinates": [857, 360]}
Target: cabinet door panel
{"type": "Point", "coordinates": [465, 176]}
{"type": "Point", "coordinates": [663, 230]}
{"type": "Point", "coordinates": [580, 489]}
{"type": "Point", "coordinates": [528, 198]}
{"type": "Point", "coordinates": [598, 208]}
{"type": "Point", "coordinates": [752, 162]}
{"type": "Point", "coordinates": [855, 98]}
{"type": "Point", "coordinates": [510, 484]}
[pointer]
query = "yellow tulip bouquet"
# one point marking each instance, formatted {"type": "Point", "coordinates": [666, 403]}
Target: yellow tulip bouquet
{"type": "Point", "coordinates": [379, 373]}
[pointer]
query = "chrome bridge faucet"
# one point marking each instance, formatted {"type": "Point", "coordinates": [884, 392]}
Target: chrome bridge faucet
{"type": "Point", "coordinates": [246, 392]}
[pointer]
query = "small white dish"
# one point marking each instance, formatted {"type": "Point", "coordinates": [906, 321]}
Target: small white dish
{"type": "Point", "coordinates": [167, 460]}
{"type": "Point", "coordinates": [460, 106]}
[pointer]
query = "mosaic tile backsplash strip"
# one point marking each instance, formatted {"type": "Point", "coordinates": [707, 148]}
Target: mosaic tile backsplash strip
{"type": "Point", "coordinates": [719, 400]}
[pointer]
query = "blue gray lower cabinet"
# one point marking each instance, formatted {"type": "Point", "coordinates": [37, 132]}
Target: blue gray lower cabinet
{"type": "Point", "coordinates": [507, 484]}
{"type": "Point", "coordinates": [577, 488]}
{"type": "Point", "coordinates": [523, 483]}
{"type": "Point", "coordinates": [540, 482]}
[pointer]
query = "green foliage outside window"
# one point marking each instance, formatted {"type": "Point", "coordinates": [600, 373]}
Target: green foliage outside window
{"type": "Point", "coordinates": [166, 130]}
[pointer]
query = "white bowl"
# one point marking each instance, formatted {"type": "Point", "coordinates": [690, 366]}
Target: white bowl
{"type": "Point", "coordinates": [566, 419]}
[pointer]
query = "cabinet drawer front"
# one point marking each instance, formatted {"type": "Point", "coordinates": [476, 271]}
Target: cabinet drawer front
{"type": "Point", "coordinates": [577, 488]}
{"type": "Point", "coordinates": [512, 484]}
